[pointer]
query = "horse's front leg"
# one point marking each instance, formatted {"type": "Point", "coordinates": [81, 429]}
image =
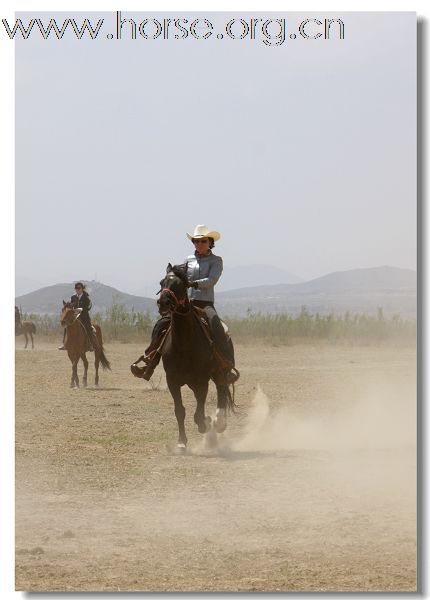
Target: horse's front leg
{"type": "Point", "coordinates": [75, 378]}
{"type": "Point", "coordinates": [175, 390]}
{"type": "Point", "coordinates": [85, 361]}
{"type": "Point", "coordinates": [32, 341]}
{"type": "Point", "coordinates": [200, 419]}
{"type": "Point", "coordinates": [26, 340]}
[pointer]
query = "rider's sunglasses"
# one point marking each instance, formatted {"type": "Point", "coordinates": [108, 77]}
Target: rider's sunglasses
{"type": "Point", "coordinates": [201, 241]}
{"type": "Point", "coordinates": [78, 288]}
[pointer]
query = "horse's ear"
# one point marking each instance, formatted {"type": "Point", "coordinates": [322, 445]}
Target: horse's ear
{"type": "Point", "coordinates": [64, 304]}
{"type": "Point", "coordinates": [169, 268]}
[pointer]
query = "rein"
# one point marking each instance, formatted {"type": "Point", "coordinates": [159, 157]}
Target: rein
{"type": "Point", "coordinates": [75, 318]}
{"type": "Point", "coordinates": [178, 303]}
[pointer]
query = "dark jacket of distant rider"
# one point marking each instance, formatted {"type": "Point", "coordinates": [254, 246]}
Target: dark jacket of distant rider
{"type": "Point", "coordinates": [83, 302]}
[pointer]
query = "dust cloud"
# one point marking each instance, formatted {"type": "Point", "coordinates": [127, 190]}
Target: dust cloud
{"type": "Point", "coordinates": [381, 418]}
{"type": "Point", "coordinates": [378, 420]}
{"type": "Point", "coordinates": [312, 487]}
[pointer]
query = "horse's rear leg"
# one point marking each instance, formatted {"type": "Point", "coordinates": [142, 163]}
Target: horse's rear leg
{"type": "Point", "coordinates": [96, 365]}
{"type": "Point", "coordinates": [223, 395]}
{"type": "Point", "coordinates": [85, 361]}
{"type": "Point", "coordinates": [175, 390]}
{"type": "Point", "coordinates": [32, 341]}
{"type": "Point", "coordinates": [203, 423]}
{"type": "Point", "coordinates": [26, 340]}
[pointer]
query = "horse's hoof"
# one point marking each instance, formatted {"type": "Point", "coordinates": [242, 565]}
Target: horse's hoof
{"type": "Point", "coordinates": [220, 423]}
{"type": "Point", "coordinates": [181, 448]}
{"type": "Point", "coordinates": [205, 425]}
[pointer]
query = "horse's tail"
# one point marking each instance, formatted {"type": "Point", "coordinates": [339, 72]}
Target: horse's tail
{"type": "Point", "coordinates": [32, 327]}
{"type": "Point", "coordinates": [100, 350]}
{"type": "Point", "coordinates": [231, 404]}
{"type": "Point", "coordinates": [103, 360]}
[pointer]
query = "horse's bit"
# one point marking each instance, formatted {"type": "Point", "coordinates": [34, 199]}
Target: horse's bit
{"type": "Point", "coordinates": [178, 302]}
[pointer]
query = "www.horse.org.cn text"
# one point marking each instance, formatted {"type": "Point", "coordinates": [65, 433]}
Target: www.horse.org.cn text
{"type": "Point", "coordinates": [268, 31]}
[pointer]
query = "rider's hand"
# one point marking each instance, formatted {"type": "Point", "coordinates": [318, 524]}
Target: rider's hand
{"type": "Point", "coordinates": [193, 284]}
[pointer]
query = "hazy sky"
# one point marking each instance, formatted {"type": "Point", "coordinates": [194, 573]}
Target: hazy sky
{"type": "Point", "coordinates": [302, 155]}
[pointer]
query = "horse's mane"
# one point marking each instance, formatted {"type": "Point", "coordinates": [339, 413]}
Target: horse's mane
{"type": "Point", "coordinates": [181, 272]}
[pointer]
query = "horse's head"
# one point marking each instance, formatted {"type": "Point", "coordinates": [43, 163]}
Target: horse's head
{"type": "Point", "coordinates": [174, 288]}
{"type": "Point", "coordinates": [69, 314]}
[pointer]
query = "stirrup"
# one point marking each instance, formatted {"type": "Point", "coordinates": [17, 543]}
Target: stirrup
{"type": "Point", "coordinates": [231, 376]}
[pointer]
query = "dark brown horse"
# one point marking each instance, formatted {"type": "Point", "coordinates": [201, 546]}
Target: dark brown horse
{"type": "Point", "coordinates": [188, 356]}
{"type": "Point", "coordinates": [77, 344]}
{"type": "Point", "coordinates": [27, 329]}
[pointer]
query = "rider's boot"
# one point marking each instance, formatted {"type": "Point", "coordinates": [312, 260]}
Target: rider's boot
{"type": "Point", "coordinates": [224, 353]}
{"type": "Point", "coordinates": [147, 371]}
{"type": "Point", "coordinates": [229, 374]}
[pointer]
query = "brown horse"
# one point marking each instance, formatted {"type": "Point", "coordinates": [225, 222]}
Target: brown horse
{"type": "Point", "coordinates": [77, 344]}
{"type": "Point", "coordinates": [27, 329]}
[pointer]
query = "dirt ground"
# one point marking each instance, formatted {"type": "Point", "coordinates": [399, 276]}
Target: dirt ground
{"type": "Point", "coordinates": [311, 488]}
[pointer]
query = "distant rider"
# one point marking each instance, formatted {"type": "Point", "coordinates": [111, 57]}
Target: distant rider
{"type": "Point", "coordinates": [81, 299]}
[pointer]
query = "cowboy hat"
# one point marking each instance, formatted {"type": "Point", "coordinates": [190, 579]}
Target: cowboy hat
{"type": "Point", "coordinates": [202, 231]}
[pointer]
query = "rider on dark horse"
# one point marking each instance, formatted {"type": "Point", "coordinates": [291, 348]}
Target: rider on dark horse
{"type": "Point", "coordinates": [82, 300]}
{"type": "Point", "coordinates": [204, 270]}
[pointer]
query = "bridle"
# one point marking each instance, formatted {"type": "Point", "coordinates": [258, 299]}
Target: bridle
{"type": "Point", "coordinates": [68, 322]}
{"type": "Point", "coordinates": [178, 303]}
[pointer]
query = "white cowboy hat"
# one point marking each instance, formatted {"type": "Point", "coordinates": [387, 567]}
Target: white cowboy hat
{"type": "Point", "coordinates": [202, 231]}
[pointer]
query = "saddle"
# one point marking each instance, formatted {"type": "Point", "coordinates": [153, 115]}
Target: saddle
{"type": "Point", "coordinates": [203, 318]}
{"type": "Point", "coordinates": [220, 364]}
{"type": "Point", "coordinates": [87, 341]}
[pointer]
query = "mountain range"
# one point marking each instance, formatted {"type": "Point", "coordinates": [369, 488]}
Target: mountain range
{"type": "Point", "coordinates": [49, 300]}
{"type": "Point", "coordinates": [232, 278]}
{"type": "Point", "coordinates": [357, 291]}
